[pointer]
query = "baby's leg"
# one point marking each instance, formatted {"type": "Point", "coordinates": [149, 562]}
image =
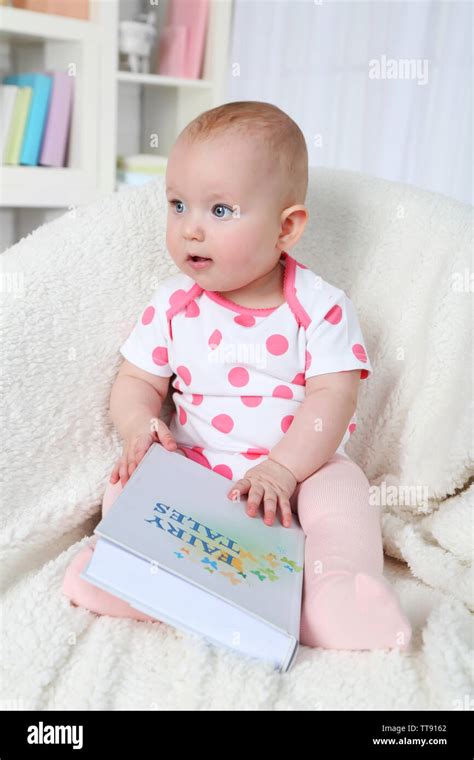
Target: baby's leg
{"type": "Point", "coordinates": [347, 603]}
{"type": "Point", "coordinates": [84, 594]}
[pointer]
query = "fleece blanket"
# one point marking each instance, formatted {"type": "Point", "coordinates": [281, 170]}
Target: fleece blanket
{"type": "Point", "coordinates": [72, 291]}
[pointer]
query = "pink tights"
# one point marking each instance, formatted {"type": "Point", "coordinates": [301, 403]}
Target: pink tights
{"type": "Point", "coordinates": [347, 603]}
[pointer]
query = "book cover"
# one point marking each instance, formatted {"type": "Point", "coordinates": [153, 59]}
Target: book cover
{"type": "Point", "coordinates": [53, 150]}
{"type": "Point", "coordinates": [174, 516]}
{"type": "Point", "coordinates": [16, 131]}
{"type": "Point", "coordinates": [34, 130]}
{"type": "Point", "coordinates": [8, 93]}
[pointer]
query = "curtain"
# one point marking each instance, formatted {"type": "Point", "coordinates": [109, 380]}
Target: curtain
{"type": "Point", "coordinates": [384, 88]}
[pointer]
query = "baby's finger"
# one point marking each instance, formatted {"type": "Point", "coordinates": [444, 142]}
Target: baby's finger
{"type": "Point", "coordinates": [270, 500]}
{"type": "Point", "coordinates": [165, 436]}
{"type": "Point", "coordinates": [254, 498]}
{"type": "Point", "coordinates": [131, 462]}
{"type": "Point", "coordinates": [285, 507]}
{"type": "Point", "coordinates": [123, 471]}
{"type": "Point", "coordinates": [240, 488]}
{"type": "Point", "coordinates": [115, 473]}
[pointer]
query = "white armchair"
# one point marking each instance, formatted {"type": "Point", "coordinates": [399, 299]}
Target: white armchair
{"type": "Point", "coordinates": [72, 291]}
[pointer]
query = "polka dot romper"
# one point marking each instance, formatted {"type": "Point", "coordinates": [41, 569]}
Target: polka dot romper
{"type": "Point", "coordinates": [239, 372]}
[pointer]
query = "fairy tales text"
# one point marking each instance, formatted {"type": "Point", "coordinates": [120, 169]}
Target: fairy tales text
{"type": "Point", "coordinates": [188, 530]}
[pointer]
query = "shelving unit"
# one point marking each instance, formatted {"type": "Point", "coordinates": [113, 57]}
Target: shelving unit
{"type": "Point", "coordinates": [86, 49]}
{"type": "Point", "coordinates": [106, 102]}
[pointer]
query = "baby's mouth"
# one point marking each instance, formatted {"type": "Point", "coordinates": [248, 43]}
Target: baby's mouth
{"type": "Point", "coordinates": [198, 258]}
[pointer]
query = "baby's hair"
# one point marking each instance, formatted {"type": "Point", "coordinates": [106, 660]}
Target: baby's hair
{"type": "Point", "coordinates": [277, 131]}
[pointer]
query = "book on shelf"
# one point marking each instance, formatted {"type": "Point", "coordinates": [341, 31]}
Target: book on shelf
{"type": "Point", "coordinates": [182, 39]}
{"type": "Point", "coordinates": [174, 546]}
{"type": "Point", "coordinates": [14, 122]}
{"type": "Point", "coordinates": [35, 123]}
{"type": "Point", "coordinates": [53, 150]}
{"type": "Point", "coordinates": [7, 104]}
{"type": "Point", "coordinates": [37, 112]}
{"type": "Point", "coordinates": [73, 8]}
{"type": "Point", "coordinates": [139, 169]}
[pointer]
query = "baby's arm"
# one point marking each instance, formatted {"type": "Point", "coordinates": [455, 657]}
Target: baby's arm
{"type": "Point", "coordinates": [135, 404]}
{"type": "Point", "coordinates": [319, 424]}
{"type": "Point", "coordinates": [136, 398]}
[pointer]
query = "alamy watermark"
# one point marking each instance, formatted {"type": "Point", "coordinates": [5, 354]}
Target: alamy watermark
{"type": "Point", "coordinates": [395, 495]}
{"type": "Point", "coordinates": [253, 354]}
{"type": "Point", "coordinates": [403, 68]}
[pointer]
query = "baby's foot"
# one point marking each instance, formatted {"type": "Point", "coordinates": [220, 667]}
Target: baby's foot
{"type": "Point", "coordinates": [353, 611]}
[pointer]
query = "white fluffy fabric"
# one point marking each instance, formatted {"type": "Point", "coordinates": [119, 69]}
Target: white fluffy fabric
{"type": "Point", "coordinates": [72, 291]}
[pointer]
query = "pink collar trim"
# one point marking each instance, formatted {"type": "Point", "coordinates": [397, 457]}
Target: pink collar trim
{"type": "Point", "coordinates": [289, 291]}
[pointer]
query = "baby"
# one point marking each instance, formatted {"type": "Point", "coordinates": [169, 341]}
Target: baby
{"type": "Point", "coordinates": [266, 359]}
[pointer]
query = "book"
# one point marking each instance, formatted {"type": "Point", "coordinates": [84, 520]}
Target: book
{"type": "Point", "coordinates": [53, 150]}
{"type": "Point", "coordinates": [74, 8]}
{"type": "Point", "coordinates": [8, 93]}
{"type": "Point", "coordinates": [174, 546]}
{"type": "Point", "coordinates": [35, 124]}
{"type": "Point", "coordinates": [183, 38]}
{"type": "Point", "coordinates": [17, 127]}
{"type": "Point", "coordinates": [172, 52]}
{"type": "Point", "coordinates": [139, 169]}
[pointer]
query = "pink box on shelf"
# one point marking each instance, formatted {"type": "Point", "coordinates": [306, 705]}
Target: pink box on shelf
{"type": "Point", "coordinates": [193, 15]}
{"type": "Point", "coordinates": [173, 50]}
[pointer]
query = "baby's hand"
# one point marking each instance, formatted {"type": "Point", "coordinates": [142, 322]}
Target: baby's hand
{"type": "Point", "coordinates": [137, 444]}
{"type": "Point", "coordinates": [272, 481]}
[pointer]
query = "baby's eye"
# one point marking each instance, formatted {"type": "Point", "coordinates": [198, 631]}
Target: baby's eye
{"type": "Point", "coordinates": [177, 203]}
{"type": "Point", "coordinates": [220, 209]}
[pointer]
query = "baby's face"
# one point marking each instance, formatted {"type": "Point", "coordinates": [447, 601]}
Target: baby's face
{"type": "Point", "coordinates": [223, 204]}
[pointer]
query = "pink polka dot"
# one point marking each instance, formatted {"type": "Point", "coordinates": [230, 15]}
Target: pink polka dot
{"type": "Point", "coordinates": [282, 391]}
{"type": "Point", "coordinates": [182, 416]}
{"type": "Point", "coordinates": [223, 422]}
{"type": "Point", "coordinates": [245, 320]}
{"type": "Point", "coordinates": [196, 455]}
{"type": "Point", "coordinates": [177, 297]}
{"type": "Point", "coordinates": [334, 315]}
{"type": "Point", "coordinates": [352, 427]}
{"type": "Point", "coordinates": [184, 373]}
{"type": "Point", "coordinates": [276, 344]}
{"type": "Point", "coordinates": [160, 355]}
{"type": "Point", "coordinates": [148, 315]}
{"type": "Point", "coordinates": [238, 376]}
{"type": "Point", "coordinates": [176, 385]}
{"type": "Point", "coordinates": [197, 399]}
{"type": "Point", "coordinates": [255, 453]}
{"type": "Point", "coordinates": [299, 379]}
{"type": "Point", "coordinates": [251, 400]}
{"type": "Point", "coordinates": [192, 309]}
{"type": "Point", "coordinates": [222, 469]}
{"type": "Point", "coordinates": [364, 373]}
{"type": "Point", "coordinates": [214, 340]}
{"type": "Point", "coordinates": [359, 352]}
{"type": "Point", "coordinates": [286, 422]}
{"type": "Point", "coordinates": [307, 360]}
